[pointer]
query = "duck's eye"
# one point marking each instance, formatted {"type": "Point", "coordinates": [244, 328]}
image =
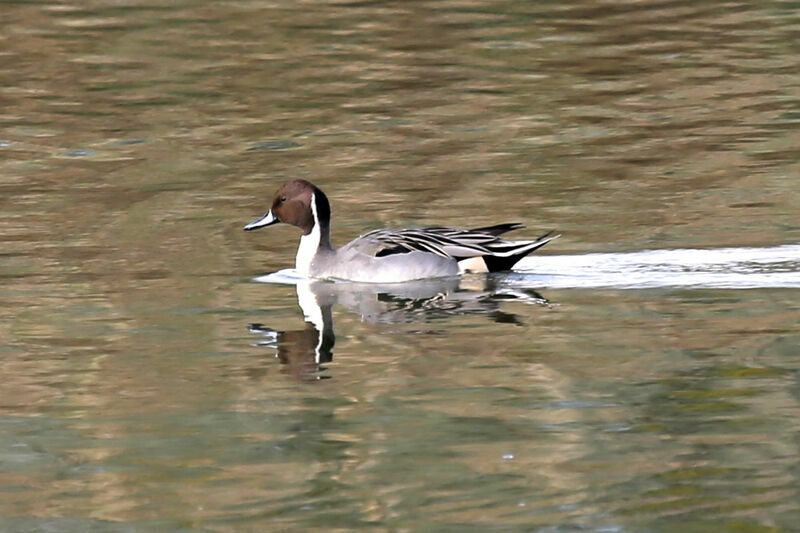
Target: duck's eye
{"type": "Point", "coordinates": [283, 199]}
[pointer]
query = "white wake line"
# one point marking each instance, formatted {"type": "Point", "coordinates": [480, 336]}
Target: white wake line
{"type": "Point", "coordinates": [735, 268]}
{"type": "Point", "coordinates": [729, 268]}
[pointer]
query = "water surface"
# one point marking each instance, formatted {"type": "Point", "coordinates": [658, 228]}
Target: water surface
{"type": "Point", "coordinates": [638, 374]}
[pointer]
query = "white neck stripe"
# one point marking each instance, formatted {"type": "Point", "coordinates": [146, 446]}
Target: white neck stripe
{"type": "Point", "coordinates": [309, 244]}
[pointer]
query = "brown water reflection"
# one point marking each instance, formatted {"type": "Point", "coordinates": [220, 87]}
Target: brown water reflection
{"type": "Point", "coordinates": [137, 138]}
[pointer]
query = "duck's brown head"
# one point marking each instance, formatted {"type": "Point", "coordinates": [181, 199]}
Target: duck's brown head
{"type": "Point", "coordinates": [299, 203]}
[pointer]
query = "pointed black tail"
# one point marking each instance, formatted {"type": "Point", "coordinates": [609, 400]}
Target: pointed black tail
{"type": "Point", "coordinates": [502, 263]}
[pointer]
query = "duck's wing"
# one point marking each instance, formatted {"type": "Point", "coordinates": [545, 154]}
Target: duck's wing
{"type": "Point", "coordinates": [498, 229]}
{"type": "Point", "coordinates": [453, 242]}
{"type": "Point", "coordinates": [445, 242]}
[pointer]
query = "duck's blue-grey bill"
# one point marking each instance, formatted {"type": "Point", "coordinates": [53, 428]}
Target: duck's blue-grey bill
{"type": "Point", "coordinates": [266, 220]}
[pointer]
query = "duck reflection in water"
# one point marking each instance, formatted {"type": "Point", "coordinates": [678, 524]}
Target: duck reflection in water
{"type": "Point", "coordinates": [304, 352]}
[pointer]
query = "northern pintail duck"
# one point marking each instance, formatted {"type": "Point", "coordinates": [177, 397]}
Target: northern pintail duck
{"type": "Point", "coordinates": [388, 256]}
